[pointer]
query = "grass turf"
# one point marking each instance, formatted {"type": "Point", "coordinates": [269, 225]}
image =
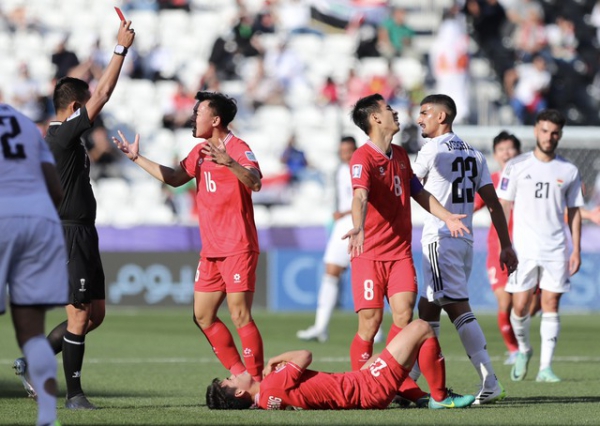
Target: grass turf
{"type": "Point", "coordinates": [151, 366]}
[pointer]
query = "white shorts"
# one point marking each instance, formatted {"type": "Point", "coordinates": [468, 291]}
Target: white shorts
{"type": "Point", "coordinates": [33, 262]}
{"type": "Point", "coordinates": [336, 252]}
{"type": "Point", "coordinates": [447, 266]}
{"type": "Point", "coordinates": [551, 275]}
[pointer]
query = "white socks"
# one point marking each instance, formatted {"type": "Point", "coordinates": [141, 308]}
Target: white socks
{"type": "Point", "coordinates": [521, 326]}
{"type": "Point", "coordinates": [41, 366]}
{"type": "Point", "coordinates": [326, 301]}
{"type": "Point", "coordinates": [549, 331]}
{"type": "Point", "coordinates": [475, 345]}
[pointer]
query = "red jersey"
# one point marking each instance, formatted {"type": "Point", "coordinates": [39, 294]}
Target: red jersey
{"type": "Point", "coordinates": [291, 386]}
{"type": "Point", "coordinates": [493, 241]}
{"type": "Point", "coordinates": [388, 225]}
{"type": "Point", "coordinates": [225, 210]}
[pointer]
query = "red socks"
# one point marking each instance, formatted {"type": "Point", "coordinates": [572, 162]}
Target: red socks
{"type": "Point", "coordinates": [252, 350]}
{"type": "Point", "coordinates": [507, 332]}
{"type": "Point", "coordinates": [360, 352]}
{"type": "Point", "coordinates": [221, 340]}
{"type": "Point", "coordinates": [433, 367]}
{"type": "Point", "coordinates": [394, 330]}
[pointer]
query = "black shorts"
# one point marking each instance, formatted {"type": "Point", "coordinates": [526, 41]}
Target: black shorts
{"type": "Point", "coordinates": [86, 275]}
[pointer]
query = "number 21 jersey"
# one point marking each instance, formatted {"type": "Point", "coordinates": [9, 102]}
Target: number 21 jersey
{"type": "Point", "coordinates": [453, 171]}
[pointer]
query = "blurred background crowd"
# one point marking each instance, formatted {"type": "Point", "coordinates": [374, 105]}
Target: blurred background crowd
{"type": "Point", "coordinates": [295, 68]}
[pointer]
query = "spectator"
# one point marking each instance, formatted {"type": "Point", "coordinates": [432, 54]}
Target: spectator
{"type": "Point", "coordinates": [562, 40]}
{"type": "Point", "coordinates": [244, 36]}
{"type": "Point", "coordinates": [174, 4]}
{"type": "Point", "coordinates": [449, 61]}
{"type": "Point", "coordinates": [63, 59]}
{"type": "Point", "coordinates": [293, 17]}
{"type": "Point", "coordinates": [26, 95]}
{"type": "Point", "coordinates": [294, 159]}
{"type": "Point", "coordinates": [354, 87]}
{"type": "Point", "coordinates": [177, 111]}
{"type": "Point", "coordinates": [329, 93]}
{"type": "Point", "coordinates": [527, 85]}
{"type": "Point", "coordinates": [264, 21]}
{"type": "Point", "coordinates": [157, 64]}
{"type": "Point", "coordinates": [394, 36]}
{"type": "Point", "coordinates": [530, 36]}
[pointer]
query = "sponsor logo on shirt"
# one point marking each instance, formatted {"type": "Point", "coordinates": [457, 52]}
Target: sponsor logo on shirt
{"type": "Point", "coordinates": [250, 156]}
{"type": "Point", "coordinates": [75, 115]}
{"type": "Point", "coordinates": [381, 171]}
{"type": "Point", "coordinates": [356, 171]}
{"type": "Point", "coordinates": [273, 403]}
{"type": "Point", "coordinates": [200, 161]}
{"type": "Point", "coordinates": [528, 177]}
{"type": "Point", "coordinates": [504, 183]}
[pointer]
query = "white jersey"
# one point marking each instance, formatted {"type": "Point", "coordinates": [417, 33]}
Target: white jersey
{"type": "Point", "coordinates": [23, 189]}
{"type": "Point", "coordinates": [453, 171]}
{"type": "Point", "coordinates": [541, 191]}
{"type": "Point", "coordinates": [343, 188]}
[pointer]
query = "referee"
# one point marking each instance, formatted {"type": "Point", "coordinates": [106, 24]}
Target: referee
{"type": "Point", "coordinates": [76, 109]}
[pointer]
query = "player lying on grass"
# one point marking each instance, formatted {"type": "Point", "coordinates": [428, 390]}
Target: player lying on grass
{"type": "Point", "coordinates": [287, 382]}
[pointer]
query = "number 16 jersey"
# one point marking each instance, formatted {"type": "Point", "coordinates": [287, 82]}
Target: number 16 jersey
{"type": "Point", "coordinates": [225, 210]}
{"type": "Point", "coordinates": [453, 171]}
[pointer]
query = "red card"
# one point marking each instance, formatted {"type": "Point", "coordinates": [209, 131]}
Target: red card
{"type": "Point", "coordinates": [121, 17]}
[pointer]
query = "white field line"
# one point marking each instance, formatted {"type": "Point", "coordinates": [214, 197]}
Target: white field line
{"type": "Point", "coordinates": [213, 360]}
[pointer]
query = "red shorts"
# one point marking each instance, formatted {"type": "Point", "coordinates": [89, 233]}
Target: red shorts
{"type": "Point", "coordinates": [372, 280]}
{"type": "Point", "coordinates": [231, 274]}
{"type": "Point", "coordinates": [380, 382]}
{"type": "Point", "coordinates": [498, 277]}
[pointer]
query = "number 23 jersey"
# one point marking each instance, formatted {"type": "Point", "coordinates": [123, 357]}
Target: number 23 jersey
{"type": "Point", "coordinates": [453, 171]}
{"type": "Point", "coordinates": [225, 210]}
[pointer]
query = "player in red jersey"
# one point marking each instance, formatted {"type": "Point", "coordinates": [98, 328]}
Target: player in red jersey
{"type": "Point", "coordinates": [288, 384]}
{"type": "Point", "coordinates": [505, 147]}
{"type": "Point", "coordinates": [380, 242]}
{"type": "Point", "coordinates": [226, 173]}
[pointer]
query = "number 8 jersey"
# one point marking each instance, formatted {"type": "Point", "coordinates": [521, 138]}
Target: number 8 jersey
{"type": "Point", "coordinates": [225, 210]}
{"type": "Point", "coordinates": [453, 171]}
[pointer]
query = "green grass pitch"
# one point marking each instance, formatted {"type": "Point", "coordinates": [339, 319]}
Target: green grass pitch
{"type": "Point", "coordinates": [151, 366]}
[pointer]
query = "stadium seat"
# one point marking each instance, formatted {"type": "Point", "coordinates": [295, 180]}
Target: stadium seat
{"type": "Point", "coordinates": [410, 71]}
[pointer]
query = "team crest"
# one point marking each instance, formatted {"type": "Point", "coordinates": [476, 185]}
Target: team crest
{"type": "Point", "coordinates": [381, 171]}
{"type": "Point", "coordinates": [559, 182]}
{"type": "Point", "coordinates": [356, 171]}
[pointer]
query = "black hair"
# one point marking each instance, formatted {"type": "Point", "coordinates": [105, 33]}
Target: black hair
{"type": "Point", "coordinates": [221, 105]}
{"type": "Point", "coordinates": [552, 116]}
{"type": "Point", "coordinates": [363, 109]}
{"type": "Point", "coordinates": [348, 139]}
{"type": "Point", "coordinates": [69, 89]}
{"type": "Point", "coordinates": [444, 100]}
{"type": "Point", "coordinates": [223, 398]}
{"type": "Point", "coordinates": [505, 136]}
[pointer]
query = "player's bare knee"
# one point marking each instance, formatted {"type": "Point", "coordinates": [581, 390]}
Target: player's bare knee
{"type": "Point", "coordinates": [240, 317]}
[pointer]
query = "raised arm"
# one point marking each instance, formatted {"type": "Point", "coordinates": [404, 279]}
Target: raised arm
{"type": "Point", "coordinates": [574, 219]}
{"type": "Point", "coordinates": [109, 78]}
{"type": "Point", "coordinates": [171, 176]}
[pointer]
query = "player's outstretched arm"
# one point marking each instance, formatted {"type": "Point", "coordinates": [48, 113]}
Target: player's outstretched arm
{"type": "Point", "coordinates": [433, 206]}
{"type": "Point", "coordinates": [171, 176]}
{"type": "Point", "coordinates": [109, 78]}
{"type": "Point", "coordinates": [574, 218]}
{"type": "Point", "coordinates": [593, 215]}
{"type": "Point", "coordinates": [508, 257]}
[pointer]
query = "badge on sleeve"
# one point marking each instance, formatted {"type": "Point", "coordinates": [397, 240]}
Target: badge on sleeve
{"type": "Point", "coordinates": [250, 156]}
{"type": "Point", "coordinates": [356, 171]}
{"type": "Point", "coordinates": [504, 184]}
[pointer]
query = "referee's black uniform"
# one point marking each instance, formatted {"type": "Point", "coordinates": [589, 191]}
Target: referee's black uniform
{"type": "Point", "coordinates": [78, 208]}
